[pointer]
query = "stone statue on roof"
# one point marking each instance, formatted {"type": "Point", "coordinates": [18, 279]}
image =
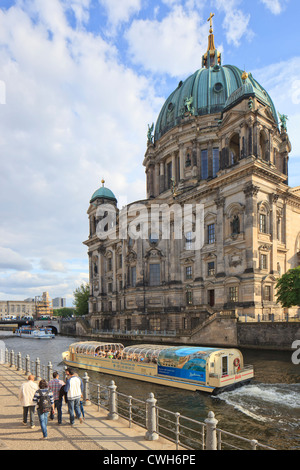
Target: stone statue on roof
{"type": "Point", "coordinates": [150, 133]}
{"type": "Point", "coordinates": [283, 119]}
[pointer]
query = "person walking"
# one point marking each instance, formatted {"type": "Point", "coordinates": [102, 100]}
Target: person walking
{"type": "Point", "coordinates": [54, 386]}
{"type": "Point", "coordinates": [26, 394]}
{"type": "Point", "coordinates": [43, 397]}
{"type": "Point", "coordinates": [74, 390]}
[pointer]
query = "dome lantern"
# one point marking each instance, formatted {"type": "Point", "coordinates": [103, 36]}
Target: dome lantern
{"type": "Point", "coordinates": [104, 194]}
{"type": "Point", "coordinates": [212, 56]}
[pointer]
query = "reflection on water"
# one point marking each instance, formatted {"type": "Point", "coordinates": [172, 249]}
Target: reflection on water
{"type": "Point", "coordinates": [267, 410]}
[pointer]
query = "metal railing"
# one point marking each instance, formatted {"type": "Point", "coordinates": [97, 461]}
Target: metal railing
{"type": "Point", "coordinates": [134, 332]}
{"type": "Point", "coordinates": [185, 432]}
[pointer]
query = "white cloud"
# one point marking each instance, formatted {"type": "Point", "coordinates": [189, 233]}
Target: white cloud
{"type": "Point", "coordinates": [120, 11]}
{"type": "Point", "coordinates": [236, 22]}
{"type": "Point", "coordinates": [9, 259]}
{"type": "Point", "coordinates": [73, 115]}
{"type": "Point", "coordinates": [174, 45]}
{"type": "Point", "coordinates": [51, 265]}
{"type": "Point", "coordinates": [80, 8]}
{"type": "Point", "coordinates": [275, 6]}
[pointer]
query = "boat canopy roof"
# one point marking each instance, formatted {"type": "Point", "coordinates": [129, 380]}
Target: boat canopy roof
{"type": "Point", "coordinates": [149, 351]}
{"type": "Point", "coordinates": [91, 347]}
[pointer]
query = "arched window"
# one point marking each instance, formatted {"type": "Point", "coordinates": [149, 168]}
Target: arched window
{"type": "Point", "coordinates": [263, 217]}
{"type": "Point", "coordinates": [234, 149]}
{"type": "Point", "coordinates": [215, 162]}
{"type": "Point", "coordinates": [204, 164]}
{"type": "Point", "coordinates": [263, 146]}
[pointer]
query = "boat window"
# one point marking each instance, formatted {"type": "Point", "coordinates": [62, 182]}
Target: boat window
{"type": "Point", "coordinates": [224, 365]}
{"type": "Point", "coordinates": [96, 349]}
{"type": "Point", "coordinates": [145, 353]}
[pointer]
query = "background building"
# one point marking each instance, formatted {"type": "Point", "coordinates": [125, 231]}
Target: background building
{"type": "Point", "coordinates": [43, 306]}
{"type": "Point", "coordinates": [217, 142]}
{"type": "Point", "coordinates": [59, 302]}
{"type": "Point", "coordinates": [40, 306]}
{"type": "Point", "coordinates": [16, 308]}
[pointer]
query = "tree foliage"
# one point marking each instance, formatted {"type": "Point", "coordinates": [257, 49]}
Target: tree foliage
{"type": "Point", "coordinates": [288, 288]}
{"type": "Point", "coordinates": [64, 312]}
{"type": "Point", "coordinates": [81, 296]}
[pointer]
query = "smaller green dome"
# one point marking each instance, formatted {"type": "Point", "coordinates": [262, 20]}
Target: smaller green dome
{"type": "Point", "coordinates": [103, 193]}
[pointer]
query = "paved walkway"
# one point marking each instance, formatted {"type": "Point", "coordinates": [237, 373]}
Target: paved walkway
{"type": "Point", "coordinates": [95, 433]}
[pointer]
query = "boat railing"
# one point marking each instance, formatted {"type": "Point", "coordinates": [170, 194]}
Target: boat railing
{"type": "Point", "coordinates": [184, 431]}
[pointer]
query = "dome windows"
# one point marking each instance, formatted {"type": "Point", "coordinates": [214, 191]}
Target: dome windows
{"type": "Point", "coordinates": [218, 87]}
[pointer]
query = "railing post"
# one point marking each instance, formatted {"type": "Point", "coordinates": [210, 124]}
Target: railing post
{"type": "Point", "coordinates": [253, 444]}
{"type": "Point", "coordinates": [98, 396]}
{"type": "Point", "coordinates": [86, 389]}
{"type": "Point", "coordinates": [27, 365]}
{"type": "Point", "coordinates": [37, 370]}
{"type": "Point", "coordinates": [112, 404]}
{"type": "Point", "coordinates": [211, 431]}
{"type": "Point", "coordinates": [19, 361]}
{"type": "Point", "coordinates": [177, 417]}
{"type": "Point", "coordinates": [151, 434]}
{"type": "Point", "coordinates": [50, 371]}
{"type": "Point", "coordinates": [6, 356]}
{"type": "Point", "coordinates": [12, 358]}
{"type": "Point", "coordinates": [130, 410]}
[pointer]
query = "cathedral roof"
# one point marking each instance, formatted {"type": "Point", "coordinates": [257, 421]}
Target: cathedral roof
{"type": "Point", "coordinates": [210, 90]}
{"type": "Point", "coordinates": [103, 193]}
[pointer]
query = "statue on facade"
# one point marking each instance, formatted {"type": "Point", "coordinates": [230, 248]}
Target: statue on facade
{"type": "Point", "coordinates": [188, 106]}
{"type": "Point", "coordinates": [283, 119]}
{"type": "Point", "coordinates": [235, 225]}
{"type": "Point", "coordinates": [150, 133]}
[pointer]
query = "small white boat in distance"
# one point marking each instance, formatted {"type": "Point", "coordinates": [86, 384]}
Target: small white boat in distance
{"type": "Point", "coordinates": [193, 368]}
{"type": "Point", "coordinates": [34, 333]}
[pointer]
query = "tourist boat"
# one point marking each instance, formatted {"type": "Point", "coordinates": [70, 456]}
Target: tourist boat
{"type": "Point", "coordinates": [34, 333]}
{"type": "Point", "coordinates": [194, 368]}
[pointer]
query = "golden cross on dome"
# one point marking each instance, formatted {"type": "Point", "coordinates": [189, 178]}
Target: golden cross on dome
{"type": "Point", "coordinates": [211, 24]}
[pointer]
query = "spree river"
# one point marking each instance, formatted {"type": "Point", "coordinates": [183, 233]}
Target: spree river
{"type": "Point", "coordinates": [267, 410]}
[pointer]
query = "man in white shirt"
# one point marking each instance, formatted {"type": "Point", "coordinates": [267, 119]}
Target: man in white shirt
{"type": "Point", "coordinates": [26, 394]}
{"type": "Point", "coordinates": [74, 389]}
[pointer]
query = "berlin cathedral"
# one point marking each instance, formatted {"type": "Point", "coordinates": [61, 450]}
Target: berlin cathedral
{"type": "Point", "coordinates": [219, 143]}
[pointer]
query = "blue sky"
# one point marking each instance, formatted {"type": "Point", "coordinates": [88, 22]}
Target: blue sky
{"type": "Point", "coordinates": [82, 79]}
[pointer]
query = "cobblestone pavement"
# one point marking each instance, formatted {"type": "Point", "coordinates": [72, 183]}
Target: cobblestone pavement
{"type": "Point", "coordinates": [95, 433]}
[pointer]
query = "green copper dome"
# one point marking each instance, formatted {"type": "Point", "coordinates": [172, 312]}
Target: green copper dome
{"type": "Point", "coordinates": [103, 193]}
{"type": "Point", "coordinates": [208, 91]}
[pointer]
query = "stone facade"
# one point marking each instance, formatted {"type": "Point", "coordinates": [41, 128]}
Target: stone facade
{"type": "Point", "coordinates": [16, 308]}
{"type": "Point", "coordinates": [233, 163]}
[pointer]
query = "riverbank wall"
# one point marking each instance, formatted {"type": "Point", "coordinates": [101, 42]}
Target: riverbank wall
{"type": "Point", "coordinates": [221, 332]}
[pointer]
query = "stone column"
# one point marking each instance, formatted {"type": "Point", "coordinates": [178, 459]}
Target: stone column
{"type": "Point", "coordinates": [182, 160]}
{"type": "Point", "coordinates": [174, 167]}
{"type": "Point", "coordinates": [162, 177]}
{"type": "Point", "coordinates": [156, 180]}
{"type": "Point", "coordinates": [273, 257]}
{"type": "Point", "coordinates": [220, 203]}
{"type": "Point", "coordinates": [251, 241]}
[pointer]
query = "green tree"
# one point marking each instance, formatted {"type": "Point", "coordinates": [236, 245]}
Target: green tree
{"type": "Point", "coordinates": [81, 296]}
{"type": "Point", "coordinates": [64, 312]}
{"type": "Point", "coordinates": [288, 288]}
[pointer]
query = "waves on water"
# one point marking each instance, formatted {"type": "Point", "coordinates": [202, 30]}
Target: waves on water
{"type": "Point", "coordinates": [277, 403]}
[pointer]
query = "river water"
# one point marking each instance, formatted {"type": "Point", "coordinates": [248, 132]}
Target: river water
{"type": "Point", "coordinates": [267, 410]}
